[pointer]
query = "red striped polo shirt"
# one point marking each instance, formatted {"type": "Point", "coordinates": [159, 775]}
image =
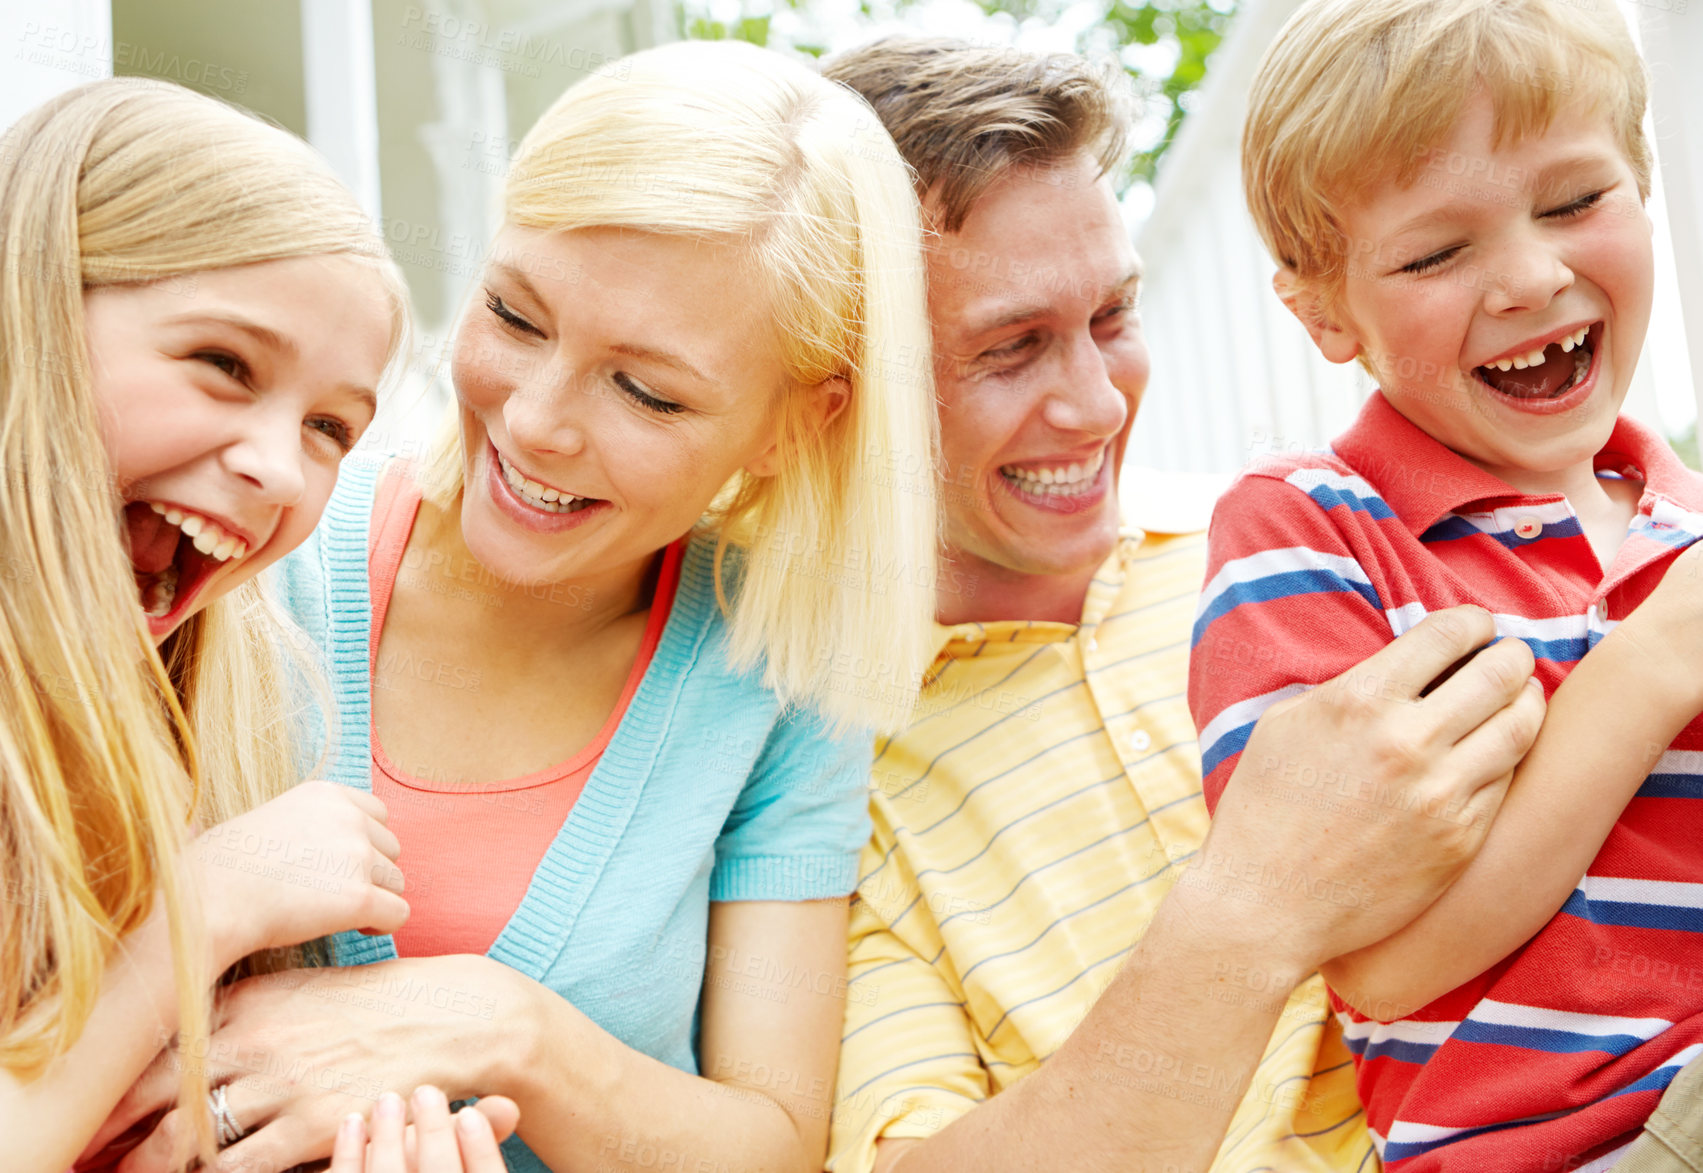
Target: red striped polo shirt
{"type": "Point", "coordinates": [1553, 1058]}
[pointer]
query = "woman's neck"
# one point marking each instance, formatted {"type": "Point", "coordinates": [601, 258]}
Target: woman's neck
{"type": "Point", "coordinates": [555, 613]}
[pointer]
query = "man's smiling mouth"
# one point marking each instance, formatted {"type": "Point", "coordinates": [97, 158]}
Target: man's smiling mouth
{"type": "Point", "coordinates": [1071, 480]}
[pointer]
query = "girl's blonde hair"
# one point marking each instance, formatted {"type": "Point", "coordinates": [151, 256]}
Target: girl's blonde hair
{"type": "Point", "coordinates": [728, 142]}
{"type": "Point", "coordinates": [110, 750]}
{"type": "Point", "coordinates": [1354, 94]}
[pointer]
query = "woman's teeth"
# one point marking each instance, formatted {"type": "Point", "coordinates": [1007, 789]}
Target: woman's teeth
{"type": "Point", "coordinates": [205, 533]}
{"type": "Point", "coordinates": [536, 495]}
{"type": "Point", "coordinates": [1535, 358]}
{"type": "Point", "coordinates": [1072, 480]}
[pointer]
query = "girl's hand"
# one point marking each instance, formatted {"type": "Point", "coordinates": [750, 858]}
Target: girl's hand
{"type": "Point", "coordinates": [312, 862]}
{"type": "Point", "coordinates": [434, 1143]}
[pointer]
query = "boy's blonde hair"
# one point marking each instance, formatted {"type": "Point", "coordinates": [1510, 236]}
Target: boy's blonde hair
{"type": "Point", "coordinates": [111, 750]}
{"type": "Point", "coordinates": [728, 142]}
{"type": "Point", "coordinates": [1357, 93]}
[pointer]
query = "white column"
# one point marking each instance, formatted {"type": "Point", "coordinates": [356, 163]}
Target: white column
{"type": "Point", "coordinates": [48, 47]}
{"type": "Point", "coordinates": [342, 93]}
{"type": "Point", "coordinates": [1673, 47]}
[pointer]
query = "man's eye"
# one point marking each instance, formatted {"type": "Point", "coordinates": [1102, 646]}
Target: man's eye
{"type": "Point", "coordinates": [1435, 260]}
{"type": "Point", "coordinates": [1583, 204]}
{"type": "Point", "coordinates": [1009, 350]}
{"type": "Point", "coordinates": [1115, 311]}
{"type": "Point", "coordinates": [497, 306]}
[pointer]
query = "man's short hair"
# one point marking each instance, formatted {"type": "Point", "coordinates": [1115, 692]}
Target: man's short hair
{"type": "Point", "coordinates": [1354, 94]}
{"type": "Point", "coordinates": [963, 115]}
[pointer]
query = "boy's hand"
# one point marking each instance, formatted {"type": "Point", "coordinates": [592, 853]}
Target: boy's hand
{"type": "Point", "coordinates": [1356, 804]}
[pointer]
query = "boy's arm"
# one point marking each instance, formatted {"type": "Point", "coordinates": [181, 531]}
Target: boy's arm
{"type": "Point", "coordinates": [1607, 724]}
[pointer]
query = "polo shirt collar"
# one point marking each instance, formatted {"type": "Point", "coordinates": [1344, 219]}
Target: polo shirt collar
{"type": "Point", "coordinates": [1423, 481]}
{"type": "Point", "coordinates": [966, 640]}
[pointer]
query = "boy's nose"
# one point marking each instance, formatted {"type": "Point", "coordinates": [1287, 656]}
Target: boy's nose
{"type": "Point", "coordinates": [1527, 279]}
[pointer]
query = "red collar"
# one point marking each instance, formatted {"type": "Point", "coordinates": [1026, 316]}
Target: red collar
{"type": "Point", "coordinates": [1423, 481]}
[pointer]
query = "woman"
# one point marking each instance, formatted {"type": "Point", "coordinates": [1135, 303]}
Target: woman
{"type": "Point", "coordinates": [628, 826]}
{"type": "Point", "coordinates": [193, 317]}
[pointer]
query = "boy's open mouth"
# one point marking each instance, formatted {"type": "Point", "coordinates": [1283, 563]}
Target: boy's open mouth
{"type": "Point", "coordinates": [1548, 373]}
{"type": "Point", "coordinates": [174, 553]}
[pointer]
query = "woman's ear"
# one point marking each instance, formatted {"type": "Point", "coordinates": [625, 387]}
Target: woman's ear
{"type": "Point", "coordinates": [816, 407]}
{"type": "Point", "coordinates": [1335, 341]}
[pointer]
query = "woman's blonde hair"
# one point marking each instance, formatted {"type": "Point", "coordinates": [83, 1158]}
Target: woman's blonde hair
{"type": "Point", "coordinates": [1357, 93]}
{"type": "Point", "coordinates": [728, 142]}
{"type": "Point", "coordinates": [110, 750]}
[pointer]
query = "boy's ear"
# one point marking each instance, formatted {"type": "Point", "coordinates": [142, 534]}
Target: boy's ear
{"type": "Point", "coordinates": [818, 406]}
{"type": "Point", "coordinates": [1334, 341]}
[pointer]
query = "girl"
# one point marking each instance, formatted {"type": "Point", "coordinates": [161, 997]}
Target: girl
{"type": "Point", "coordinates": [603, 729]}
{"type": "Point", "coordinates": [193, 318]}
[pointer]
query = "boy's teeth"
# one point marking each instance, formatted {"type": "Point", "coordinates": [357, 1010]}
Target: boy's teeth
{"type": "Point", "coordinates": [1535, 358]}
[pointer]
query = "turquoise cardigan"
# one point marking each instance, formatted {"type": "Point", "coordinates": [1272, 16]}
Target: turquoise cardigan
{"type": "Point", "coordinates": [709, 790]}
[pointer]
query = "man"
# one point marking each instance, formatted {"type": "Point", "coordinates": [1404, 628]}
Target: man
{"type": "Point", "coordinates": [1051, 968]}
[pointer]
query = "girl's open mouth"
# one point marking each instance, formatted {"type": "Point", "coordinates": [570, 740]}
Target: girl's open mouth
{"type": "Point", "coordinates": [174, 553]}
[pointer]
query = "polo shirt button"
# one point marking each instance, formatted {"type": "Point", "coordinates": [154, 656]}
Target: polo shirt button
{"type": "Point", "coordinates": [1528, 527]}
{"type": "Point", "coordinates": [1140, 741]}
{"type": "Point", "coordinates": [1602, 609]}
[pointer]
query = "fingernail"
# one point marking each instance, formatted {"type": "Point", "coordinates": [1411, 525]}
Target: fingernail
{"type": "Point", "coordinates": [351, 1127]}
{"type": "Point", "coordinates": [390, 1106]}
{"type": "Point", "coordinates": [427, 1097]}
{"type": "Point", "coordinates": [465, 1124]}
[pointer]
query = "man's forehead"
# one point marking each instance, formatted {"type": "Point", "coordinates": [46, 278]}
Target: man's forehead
{"type": "Point", "coordinates": [991, 291]}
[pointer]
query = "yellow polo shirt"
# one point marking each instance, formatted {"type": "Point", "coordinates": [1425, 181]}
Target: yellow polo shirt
{"type": "Point", "coordinates": [1027, 825]}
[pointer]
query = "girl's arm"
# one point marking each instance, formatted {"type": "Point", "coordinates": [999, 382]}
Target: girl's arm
{"type": "Point", "coordinates": [1607, 725]}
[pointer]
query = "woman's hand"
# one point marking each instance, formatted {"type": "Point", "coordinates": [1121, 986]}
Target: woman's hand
{"type": "Point", "coordinates": [315, 861]}
{"type": "Point", "coordinates": [300, 1050]}
{"type": "Point", "coordinates": [435, 1143]}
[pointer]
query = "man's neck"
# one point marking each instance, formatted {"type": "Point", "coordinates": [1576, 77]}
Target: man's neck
{"type": "Point", "coordinates": [975, 591]}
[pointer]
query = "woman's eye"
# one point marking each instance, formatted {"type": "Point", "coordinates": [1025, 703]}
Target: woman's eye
{"type": "Point", "coordinates": [340, 433]}
{"type": "Point", "coordinates": [1583, 204]}
{"type": "Point", "coordinates": [1435, 260]}
{"type": "Point", "coordinates": [637, 393]}
{"type": "Point", "coordinates": [228, 363]}
{"type": "Point", "coordinates": [497, 306]}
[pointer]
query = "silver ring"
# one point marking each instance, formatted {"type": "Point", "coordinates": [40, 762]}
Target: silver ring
{"type": "Point", "coordinates": [229, 1131]}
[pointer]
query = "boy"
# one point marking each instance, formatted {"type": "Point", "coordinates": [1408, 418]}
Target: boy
{"type": "Point", "coordinates": [1454, 191]}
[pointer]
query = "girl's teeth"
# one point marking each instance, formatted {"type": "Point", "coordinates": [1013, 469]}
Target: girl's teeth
{"type": "Point", "coordinates": [546, 499]}
{"type": "Point", "coordinates": [206, 536]}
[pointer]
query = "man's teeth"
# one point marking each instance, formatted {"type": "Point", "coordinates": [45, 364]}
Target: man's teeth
{"type": "Point", "coordinates": [536, 495]}
{"type": "Point", "coordinates": [205, 533]}
{"type": "Point", "coordinates": [1535, 358]}
{"type": "Point", "coordinates": [1071, 480]}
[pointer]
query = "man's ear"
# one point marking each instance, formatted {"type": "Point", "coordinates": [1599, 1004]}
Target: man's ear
{"type": "Point", "coordinates": [1335, 342]}
{"type": "Point", "coordinates": [816, 408]}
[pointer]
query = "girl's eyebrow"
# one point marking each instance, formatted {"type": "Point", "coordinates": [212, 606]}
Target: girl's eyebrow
{"type": "Point", "coordinates": [663, 357]}
{"type": "Point", "coordinates": [264, 335]}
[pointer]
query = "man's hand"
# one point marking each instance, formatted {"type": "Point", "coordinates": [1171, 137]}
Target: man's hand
{"type": "Point", "coordinates": [1356, 804]}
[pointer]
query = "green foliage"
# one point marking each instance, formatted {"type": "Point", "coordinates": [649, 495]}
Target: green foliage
{"type": "Point", "coordinates": [1686, 446]}
{"type": "Point", "coordinates": [1191, 28]}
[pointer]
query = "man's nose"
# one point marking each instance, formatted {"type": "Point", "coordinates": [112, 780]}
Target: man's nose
{"type": "Point", "coordinates": [1085, 400]}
